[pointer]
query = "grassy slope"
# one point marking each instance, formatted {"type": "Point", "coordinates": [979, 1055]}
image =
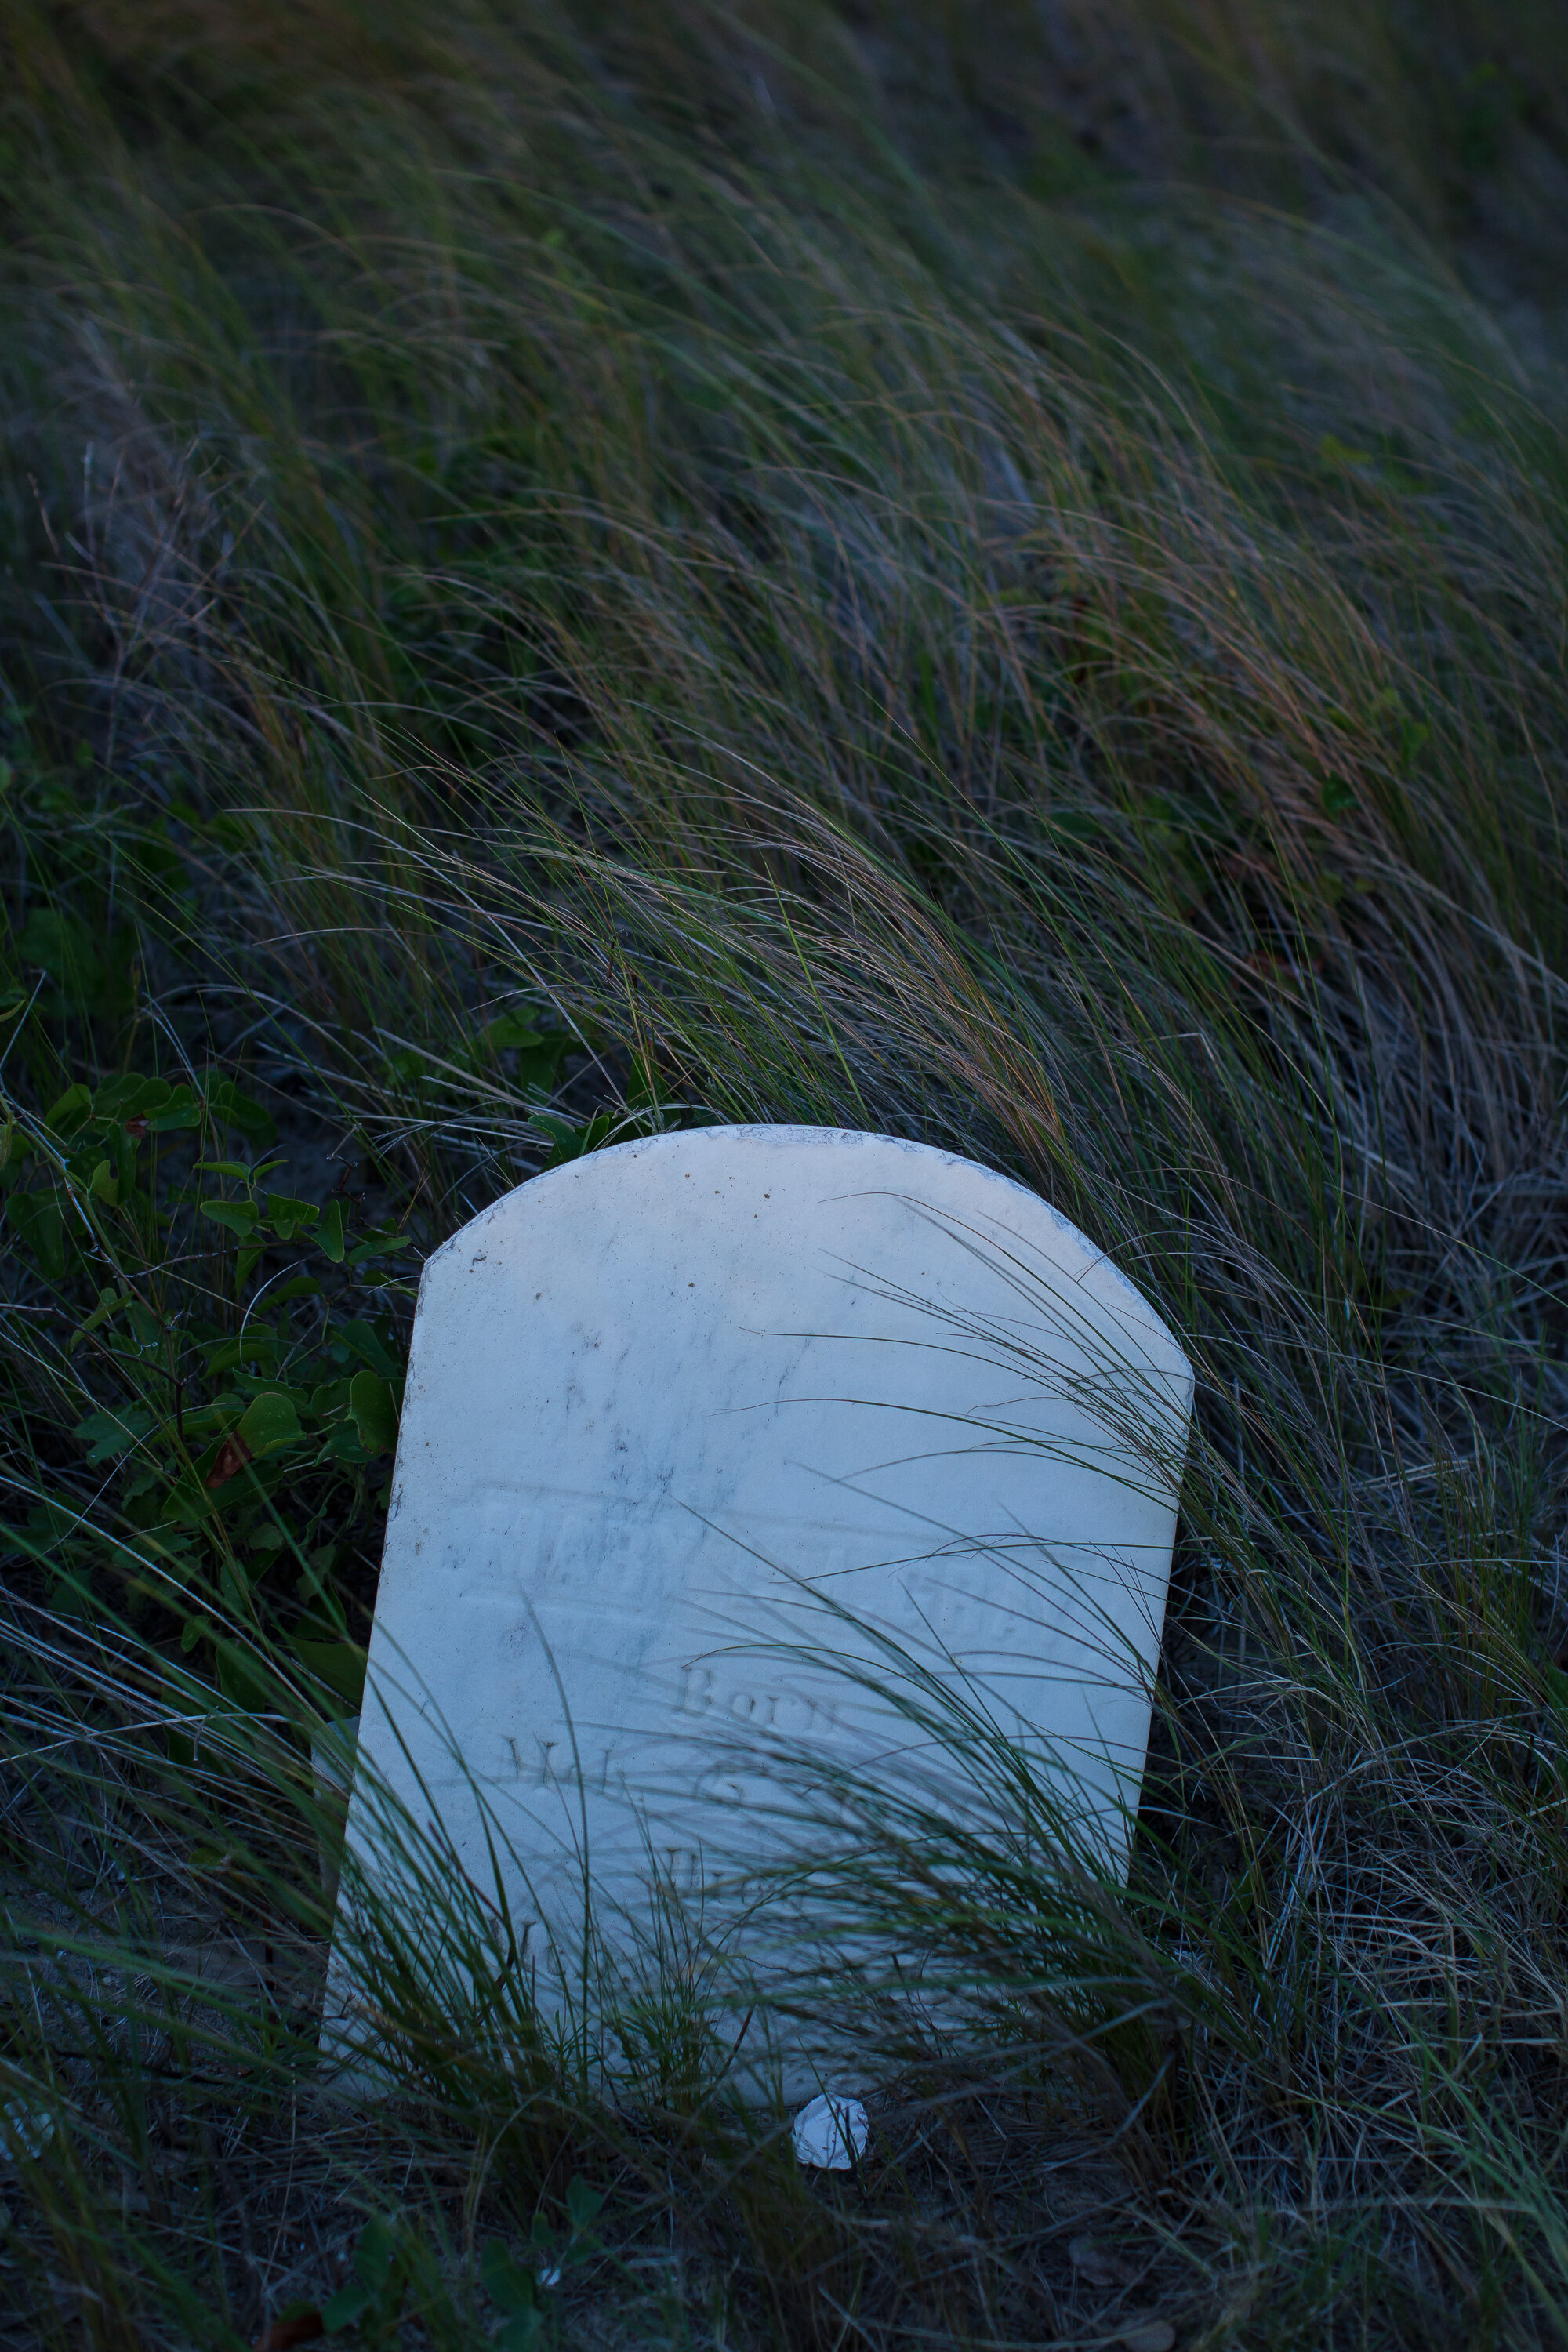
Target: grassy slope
{"type": "Point", "coordinates": [986, 576]}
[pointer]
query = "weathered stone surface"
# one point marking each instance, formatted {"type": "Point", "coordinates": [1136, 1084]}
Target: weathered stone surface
{"type": "Point", "coordinates": [674, 1405]}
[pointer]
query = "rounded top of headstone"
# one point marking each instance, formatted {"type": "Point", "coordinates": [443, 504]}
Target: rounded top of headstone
{"type": "Point", "coordinates": [837, 1164]}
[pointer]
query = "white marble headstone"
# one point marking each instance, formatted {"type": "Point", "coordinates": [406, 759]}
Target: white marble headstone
{"type": "Point", "coordinates": [686, 1420]}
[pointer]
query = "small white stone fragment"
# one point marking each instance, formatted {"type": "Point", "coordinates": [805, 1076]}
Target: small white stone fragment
{"type": "Point", "coordinates": [831, 2134]}
{"type": "Point", "coordinates": [26, 2130]}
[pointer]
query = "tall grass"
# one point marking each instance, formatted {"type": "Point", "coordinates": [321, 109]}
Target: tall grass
{"type": "Point", "coordinates": [567, 571]}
